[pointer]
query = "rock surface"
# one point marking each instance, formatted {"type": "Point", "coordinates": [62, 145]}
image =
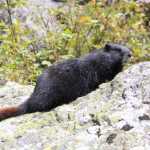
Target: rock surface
{"type": "Point", "coordinates": [114, 117]}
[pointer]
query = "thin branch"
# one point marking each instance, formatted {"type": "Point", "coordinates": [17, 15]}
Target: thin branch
{"type": "Point", "coordinates": [11, 21]}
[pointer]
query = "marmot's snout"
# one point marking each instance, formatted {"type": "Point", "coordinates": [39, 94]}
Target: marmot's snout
{"type": "Point", "coordinates": [126, 53]}
{"type": "Point", "coordinates": [130, 54]}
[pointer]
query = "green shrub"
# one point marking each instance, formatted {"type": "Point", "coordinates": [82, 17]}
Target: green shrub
{"type": "Point", "coordinates": [81, 29]}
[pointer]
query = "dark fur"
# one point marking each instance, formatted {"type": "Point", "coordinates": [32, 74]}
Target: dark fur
{"type": "Point", "coordinates": [66, 81]}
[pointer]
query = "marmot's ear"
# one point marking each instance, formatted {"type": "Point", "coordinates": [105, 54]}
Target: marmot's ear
{"type": "Point", "coordinates": [107, 47]}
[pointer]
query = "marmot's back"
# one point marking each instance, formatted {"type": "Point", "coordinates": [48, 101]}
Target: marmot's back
{"type": "Point", "coordinates": [66, 81]}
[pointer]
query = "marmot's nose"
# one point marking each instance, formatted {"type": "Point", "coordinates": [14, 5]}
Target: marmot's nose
{"type": "Point", "coordinates": [130, 54]}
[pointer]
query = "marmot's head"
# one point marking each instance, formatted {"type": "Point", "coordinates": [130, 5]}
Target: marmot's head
{"type": "Point", "coordinates": [123, 51]}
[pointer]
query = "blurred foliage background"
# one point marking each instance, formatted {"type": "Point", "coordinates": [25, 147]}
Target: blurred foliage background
{"type": "Point", "coordinates": [81, 27]}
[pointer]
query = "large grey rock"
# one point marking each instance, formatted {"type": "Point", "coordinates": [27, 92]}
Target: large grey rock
{"type": "Point", "coordinates": [114, 117]}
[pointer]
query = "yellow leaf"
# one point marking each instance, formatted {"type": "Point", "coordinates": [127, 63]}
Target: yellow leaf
{"type": "Point", "coordinates": [84, 19]}
{"type": "Point", "coordinates": [94, 2]}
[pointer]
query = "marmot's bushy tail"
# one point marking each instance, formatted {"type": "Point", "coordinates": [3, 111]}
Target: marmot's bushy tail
{"type": "Point", "coordinates": [7, 112]}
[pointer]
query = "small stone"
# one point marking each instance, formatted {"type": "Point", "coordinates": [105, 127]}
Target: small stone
{"type": "Point", "coordinates": [127, 127]}
{"type": "Point", "coordinates": [110, 138]}
{"type": "Point", "coordinates": [144, 117]}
